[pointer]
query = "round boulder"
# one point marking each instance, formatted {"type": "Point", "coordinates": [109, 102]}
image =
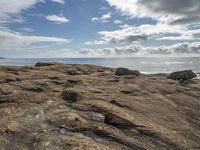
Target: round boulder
{"type": "Point", "coordinates": [182, 75]}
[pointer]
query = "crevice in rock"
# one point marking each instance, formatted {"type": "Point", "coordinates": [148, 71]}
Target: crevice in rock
{"type": "Point", "coordinates": [118, 104]}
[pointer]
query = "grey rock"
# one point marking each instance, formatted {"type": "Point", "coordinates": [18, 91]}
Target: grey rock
{"type": "Point", "coordinates": [125, 71]}
{"type": "Point", "coordinates": [43, 64]}
{"type": "Point", "coordinates": [182, 75]}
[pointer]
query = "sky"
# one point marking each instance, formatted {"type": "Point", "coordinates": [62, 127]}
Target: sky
{"type": "Point", "coordinates": [99, 28]}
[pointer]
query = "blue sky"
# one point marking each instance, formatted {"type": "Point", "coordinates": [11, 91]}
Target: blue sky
{"type": "Point", "coordinates": [99, 28]}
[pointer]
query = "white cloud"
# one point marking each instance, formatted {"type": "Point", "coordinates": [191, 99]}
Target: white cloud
{"type": "Point", "coordinates": [10, 10]}
{"type": "Point", "coordinates": [171, 11]}
{"type": "Point", "coordinates": [106, 17]}
{"type": "Point", "coordinates": [16, 41]}
{"type": "Point", "coordinates": [135, 49]}
{"type": "Point", "coordinates": [26, 29]}
{"type": "Point", "coordinates": [95, 42]}
{"type": "Point", "coordinates": [94, 19]}
{"type": "Point", "coordinates": [117, 21]}
{"type": "Point", "coordinates": [103, 19]}
{"type": "Point", "coordinates": [186, 35]}
{"type": "Point", "coordinates": [112, 51]}
{"type": "Point", "coordinates": [128, 33]}
{"type": "Point", "coordinates": [59, 1]}
{"type": "Point", "coordinates": [179, 48]}
{"type": "Point", "coordinates": [57, 19]}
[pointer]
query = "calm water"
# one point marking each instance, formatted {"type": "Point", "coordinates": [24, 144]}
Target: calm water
{"type": "Point", "coordinates": [145, 65]}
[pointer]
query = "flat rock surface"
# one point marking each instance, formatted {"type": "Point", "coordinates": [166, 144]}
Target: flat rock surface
{"type": "Point", "coordinates": [62, 107]}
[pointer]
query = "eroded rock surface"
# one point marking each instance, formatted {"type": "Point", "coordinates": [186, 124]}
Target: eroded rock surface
{"type": "Point", "coordinates": [53, 106]}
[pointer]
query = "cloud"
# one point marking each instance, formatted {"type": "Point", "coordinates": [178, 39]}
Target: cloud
{"type": "Point", "coordinates": [136, 49]}
{"type": "Point", "coordinates": [179, 48]}
{"type": "Point", "coordinates": [95, 42]}
{"type": "Point", "coordinates": [103, 19]}
{"type": "Point", "coordinates": [59, 1]}
{"type": "Point", "coordinates": [94, 19]}
{"type": "Point", "coordinates": [106, 17]}
{"type": "Point", "coordinates": [14, 40]}
{"type": "Point", "coordinates": [17, 43]}
{"type": "Point", "coordinates": [26, 29]}
{"type": "Point", "coordinates": [112, 51]}
{"type": "Point", "coordinates": [171, 11]}
{"type": "Point", "coordinates": [129, 33]}
{"type": "Point", "coordinates": [10, 10]}
{"type": "Point", "coordinates": [117, 21]}
{"type": "Point", "coordinates": [57, 19]}
{"type": "Point", "coordinates": [186, 35]}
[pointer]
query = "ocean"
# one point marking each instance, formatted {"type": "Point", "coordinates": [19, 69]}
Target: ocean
{"type": "Point", "coordinates": [143, 64]}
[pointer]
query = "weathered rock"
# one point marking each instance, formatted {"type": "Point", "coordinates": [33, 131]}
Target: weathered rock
{"type": "Point", "coordinates": [125, 71]}
{"type": "Point", "coordinates": [42, 64]}
{"type": "Point", "coordinates": [91, 108]}
{"type": "Point", "coordinates": [182, 75]}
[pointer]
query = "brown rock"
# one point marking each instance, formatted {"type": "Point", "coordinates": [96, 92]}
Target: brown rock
{"type": "Point", "coordinates": [45, 64]}
{"type": "Point", "coordinates": [91, 108]}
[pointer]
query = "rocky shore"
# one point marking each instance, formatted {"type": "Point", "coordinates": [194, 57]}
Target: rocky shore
{"type": "Point", "coordinates": [54, 106]}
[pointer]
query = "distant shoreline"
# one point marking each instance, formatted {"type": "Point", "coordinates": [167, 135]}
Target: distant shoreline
{"type": "Point", "coordinates": [144, 65]}
{"type": "Point", "coordinates": [143, 72]}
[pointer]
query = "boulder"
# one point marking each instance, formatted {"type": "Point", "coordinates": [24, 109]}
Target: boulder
{"type": "Point", "coordinates": [182, 75]}
{"type": "Point", "coordinates": [125, 71]}
{"type": "Point", "coordinates": [45, 64]}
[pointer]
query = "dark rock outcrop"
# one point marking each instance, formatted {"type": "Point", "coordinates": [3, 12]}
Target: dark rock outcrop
{"type": "Point", "coordinates": [125, 71]}
{"type": "Point", "coordinates": [182, 75]}
{"type": "Point", "coordinates": [43, 64]}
